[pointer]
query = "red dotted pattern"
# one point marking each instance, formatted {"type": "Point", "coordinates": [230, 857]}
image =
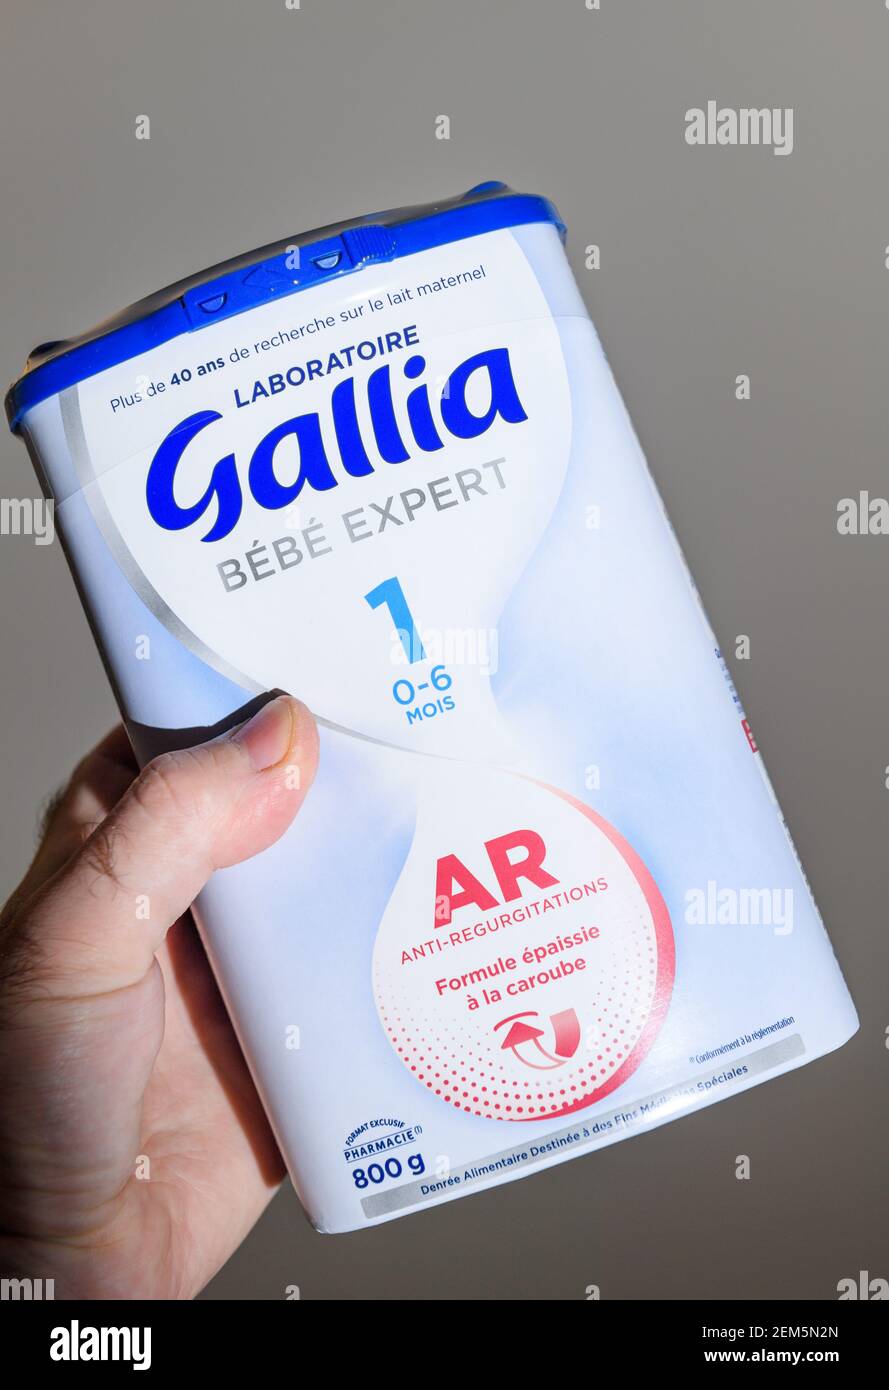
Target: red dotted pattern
{"type": "Point", "coordinates": [482, 1084]}
{"type": "Point", "coordinates": [457, 1054]}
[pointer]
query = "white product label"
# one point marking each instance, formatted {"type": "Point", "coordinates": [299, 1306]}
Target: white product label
{"type": "Point", "coordinates": [343, 515]}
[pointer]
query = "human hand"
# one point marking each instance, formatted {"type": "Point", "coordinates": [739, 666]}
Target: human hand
{"type": "Point", "coordinates": [114, 1042]}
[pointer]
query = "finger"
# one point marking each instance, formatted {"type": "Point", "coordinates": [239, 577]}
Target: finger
{"type": "Point", "coordinates": [94, 788]}
{"type": "Point", "coordinates": [101, 918]}
{"type": "Point", "coordinates": [72, 813]}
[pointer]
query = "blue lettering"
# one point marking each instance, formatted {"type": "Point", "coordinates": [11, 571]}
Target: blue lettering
{"type": "Point", "coordinates": [224, 484]}
{"type": "Point", "coordinates": [504, 397]}
{"type": "Point", "coordinates": [312, 464]}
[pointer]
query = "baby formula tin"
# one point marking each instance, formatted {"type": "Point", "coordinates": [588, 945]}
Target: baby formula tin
{"type": "Point", "coordinates": [541, 896]}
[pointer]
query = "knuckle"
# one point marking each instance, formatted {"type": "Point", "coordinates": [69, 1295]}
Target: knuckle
{"type": "Point", "coordinates": [161, 789]}
{"type": "Point", "coordinates": [180, 786]}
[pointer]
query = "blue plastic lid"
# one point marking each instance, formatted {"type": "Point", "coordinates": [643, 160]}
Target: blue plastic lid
{"type": "Point", "coordinates": [272, 271]}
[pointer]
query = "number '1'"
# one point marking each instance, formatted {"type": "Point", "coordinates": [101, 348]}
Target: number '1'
{"type": "Point", "coordinates": [391, 594]}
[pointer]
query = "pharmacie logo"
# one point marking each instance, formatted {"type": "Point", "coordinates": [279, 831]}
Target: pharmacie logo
{"type": "Point", "coordinates": [744, 125]}
{"type": "Point", "coordinates": [76, 1343]}
{"type": "Point", "coordinates": [484, 376]}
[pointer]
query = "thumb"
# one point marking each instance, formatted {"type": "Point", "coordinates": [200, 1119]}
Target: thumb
{"type": "Point", "coordinates": [100, 920]}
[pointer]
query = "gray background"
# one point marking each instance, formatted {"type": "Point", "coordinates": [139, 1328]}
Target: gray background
{"type": "Point", "coordinates": [714, 262]}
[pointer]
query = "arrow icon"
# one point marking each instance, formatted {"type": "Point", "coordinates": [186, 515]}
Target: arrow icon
{"type": "Point", "coordinates": [566, 1030]}
{"type": "Point", "coordinates": [566, 1027]}
{"type": "Point", "coordinates": [519, 1033]}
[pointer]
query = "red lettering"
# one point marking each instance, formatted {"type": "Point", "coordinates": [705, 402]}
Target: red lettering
{"type": "Point", "coordinates": [450, 871]}
{"type": "Point", "coordinates": [531, 867]}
